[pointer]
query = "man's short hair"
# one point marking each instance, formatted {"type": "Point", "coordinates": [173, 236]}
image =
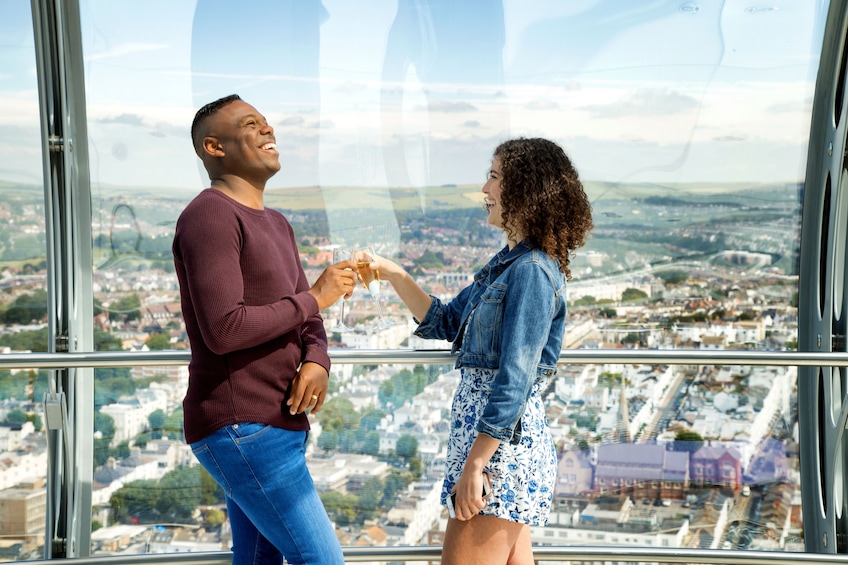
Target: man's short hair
{"type": "Point", "coordinates": [204, 113]}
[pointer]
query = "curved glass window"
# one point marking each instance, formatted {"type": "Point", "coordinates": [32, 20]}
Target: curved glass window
{"type": "Point", "coordinates": [688, 122]}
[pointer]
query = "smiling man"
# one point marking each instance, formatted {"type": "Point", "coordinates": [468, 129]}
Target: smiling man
{"type": "Point", "coordinates": [258, 347]}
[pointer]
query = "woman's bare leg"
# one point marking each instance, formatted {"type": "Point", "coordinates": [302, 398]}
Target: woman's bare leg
{"type": "Point", "coordinates": [522, 551]}
{"type": "Point", "coordinates": [486, 540]}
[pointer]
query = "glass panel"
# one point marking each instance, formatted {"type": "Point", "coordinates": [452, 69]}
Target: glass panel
{"type": "Point", "coordinates": [144, 473]}
{"type": "Point", "coordinates": [689, 125]}
{"type": "Point", "coordinates": [23, 290]}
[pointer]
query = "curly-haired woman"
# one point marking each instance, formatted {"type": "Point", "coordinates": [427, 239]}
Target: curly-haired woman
{"type": "Point", "coordinates": [507, 329]}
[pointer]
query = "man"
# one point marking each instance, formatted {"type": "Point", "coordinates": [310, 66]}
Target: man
{"type": "Point", "coordinates": [259, 350]}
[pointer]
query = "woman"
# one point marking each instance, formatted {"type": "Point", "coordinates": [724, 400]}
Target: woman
{"type": "Point", "coordinates": [506, 329]}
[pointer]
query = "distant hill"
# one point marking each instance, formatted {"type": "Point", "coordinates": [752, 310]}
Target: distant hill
{"type": "Point", "coordinates": [451, 196]}
{"type": "Point", "coordinates": [354, 197]}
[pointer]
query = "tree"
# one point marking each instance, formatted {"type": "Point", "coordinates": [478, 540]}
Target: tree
{"type": "Point", "coordinates": [111, 386]}
{"type": "Point", "coordinates": [673, 277]}
{"type": "Point", "coordinates": [415, 467]}
{"type": "Point", "coordinates": [338, 414]}
{"type": "Point", "coordinates": [35, 340]}
{"type": "Point", "coordinates": [36, 421]}
{"type": "Point", "coordinates": [687, 440]}
{"type": "Point", "coordinates": [27, 308]}
{"type": "Point", "coordinates": [126, 308]}
{"type": "Point", "coordinates": [122, 450]}
{"type": "Point", "coordinates": [156, 419]}
{"type": "Point", "coordinates": [340, 507]}
{"type": "Point", "coordinates": [395, 482]}
{"type": "Point", "coordinates": [370, 420]}
{"type": "Point", "coordinates": [179, 494]}
{"type": "Point", "coordinates": [105, 424]}
{"type": "Point", "coordinates": [173, 427]}
{"type": "Point", "coordinates": [104, 341]}
{"type": "Point", "coordinates": [633, 295]}
{"type": "Point", "coordinates": [215, 517]}
{"type": "Point", "coordinates": [328, 440]}
{"type": "Point", "coordinates": [347, 441]}
{"type": "Point", "coordinates": [134, 500]}
{"type": "Point", "coordinates": [210, 491]}
{"type": "Point", "coordinates": [158, 342]}
{"type": "Point", "coordinates": [102, 451]}
{"type": "Point", "coordinates": [585, 301]}
{"type": "Point", "coordinates": [407, 446]}
{"type": "Point", "coordinates": [386, 392]}
{"type": "Point", "coordinates": [16, 416]}
{"type": "Point", "coordinates": [371, 445]}
{"type": "Point", "coordinates": [370, 496]}
{"type": "Point", "coordinates": [430, 260]}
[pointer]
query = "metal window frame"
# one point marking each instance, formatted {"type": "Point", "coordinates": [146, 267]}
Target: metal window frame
{"type": "Point", "coordinates": [823, 300]}
{"type": "Point", "coordinates": [67, 205]}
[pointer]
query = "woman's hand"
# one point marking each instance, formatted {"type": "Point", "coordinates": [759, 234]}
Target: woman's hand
{"type": "Point", "coordinates": [406, 288]}
{"type": "Point", "coordinates": [469, 500]}
{"type": "Point", "coordinates": [388, 269]}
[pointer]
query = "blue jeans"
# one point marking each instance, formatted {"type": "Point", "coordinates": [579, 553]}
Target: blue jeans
{"type": "Point", "coordinates": [273, 506]}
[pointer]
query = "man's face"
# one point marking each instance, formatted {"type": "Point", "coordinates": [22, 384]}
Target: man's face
{"type": "Point", "coordinates": [246, 140]}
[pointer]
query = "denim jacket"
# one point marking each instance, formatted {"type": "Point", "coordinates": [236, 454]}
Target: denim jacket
{"type": "Point", "coordinates": [511, 319]}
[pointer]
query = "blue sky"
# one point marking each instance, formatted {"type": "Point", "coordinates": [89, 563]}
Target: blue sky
{"type": "Point", "coordinates": [362, 94]}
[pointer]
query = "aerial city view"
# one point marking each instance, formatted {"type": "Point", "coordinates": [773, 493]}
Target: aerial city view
{"type": "Point", "coordinates": [654, 455]}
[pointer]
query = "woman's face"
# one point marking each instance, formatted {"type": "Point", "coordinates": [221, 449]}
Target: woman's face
{"type": "Point", "coordinates": [492, 190]}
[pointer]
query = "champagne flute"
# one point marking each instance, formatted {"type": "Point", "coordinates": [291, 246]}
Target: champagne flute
{"type": "Point", "coordinates": [342, 254]}
{"type": "Point", "coordinates": [371, 281]}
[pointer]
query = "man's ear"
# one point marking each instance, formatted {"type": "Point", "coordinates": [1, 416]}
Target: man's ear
{"type": "Point", "coordinates": [212, 147]}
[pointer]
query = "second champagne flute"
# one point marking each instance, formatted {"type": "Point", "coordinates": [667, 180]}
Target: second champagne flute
{"type": "Point", "coordinates": [371, 280]}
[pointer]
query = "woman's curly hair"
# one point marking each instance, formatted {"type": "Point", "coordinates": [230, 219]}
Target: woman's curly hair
{"type": "Point", "coordinates": [542, 197]}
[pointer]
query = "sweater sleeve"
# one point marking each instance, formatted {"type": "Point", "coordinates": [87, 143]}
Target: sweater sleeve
{"type": "Point", "coordinates": [208, 242]}
{"type": "Point", "coordinates": [313, 334]}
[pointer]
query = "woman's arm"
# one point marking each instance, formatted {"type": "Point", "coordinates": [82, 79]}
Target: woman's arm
{"type": "Point", "coordinates": [468, 489]}
{"type": "Point", "coordinates": [407, 289]}
{"type": "Point", "coordinates": [528, 308]}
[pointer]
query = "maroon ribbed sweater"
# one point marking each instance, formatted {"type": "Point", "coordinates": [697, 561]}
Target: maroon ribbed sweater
{"type": "Point", "coordinates": [249, 319]}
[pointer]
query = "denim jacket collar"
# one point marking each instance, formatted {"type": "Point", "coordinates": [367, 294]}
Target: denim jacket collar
{"type": "Point", "coordinates": [503, 259]}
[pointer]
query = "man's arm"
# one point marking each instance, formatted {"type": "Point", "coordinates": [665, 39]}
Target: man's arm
{"type": "Point", "coordinates": [207, 243]}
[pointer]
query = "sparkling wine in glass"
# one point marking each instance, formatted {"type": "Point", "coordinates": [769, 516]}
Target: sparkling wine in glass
{"type": "Point", "coordinates": [371, 281]}
{"type": "Point", "coordinates": [341, 254]}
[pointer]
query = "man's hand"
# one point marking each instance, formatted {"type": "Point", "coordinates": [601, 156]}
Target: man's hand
{"type": "Point", "coordinates": [336, 281]}
{"type": "Point", "coordinates": [308, 388]}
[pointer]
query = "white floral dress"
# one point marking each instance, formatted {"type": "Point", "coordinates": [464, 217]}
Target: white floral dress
{"type": "Point", "coordinates": [522, 475]}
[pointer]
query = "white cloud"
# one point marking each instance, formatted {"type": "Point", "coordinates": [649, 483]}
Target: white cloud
{"type": "Point", "coordinates": [645, 102]}
{"type": "Point", "coordinates": [125, 49]}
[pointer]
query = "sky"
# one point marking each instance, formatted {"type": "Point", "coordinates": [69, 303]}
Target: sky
{"type": "Point", "coordinates": [419, 92]}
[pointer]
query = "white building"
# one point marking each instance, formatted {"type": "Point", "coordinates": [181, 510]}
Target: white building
{"type": "Point", "coordinates": [130, 414]}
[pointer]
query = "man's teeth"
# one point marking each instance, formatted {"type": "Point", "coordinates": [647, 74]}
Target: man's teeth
{"type": "Point", "coordinates": [268, 146]}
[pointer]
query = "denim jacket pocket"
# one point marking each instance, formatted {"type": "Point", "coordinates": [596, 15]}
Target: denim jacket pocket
{"type": "Point", "coordinates": [486, 322]}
